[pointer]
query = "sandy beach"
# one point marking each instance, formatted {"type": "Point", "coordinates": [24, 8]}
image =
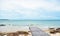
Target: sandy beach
{"type": "Point", "coordinates": [8, 29]}
{"type": "Point", "coordinates": [11, 29]}
{"type": "Point", "coordinates": [47, 31]}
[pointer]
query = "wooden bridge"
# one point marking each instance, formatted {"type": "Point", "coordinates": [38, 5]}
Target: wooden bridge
{"type": "Point", "coordinates": [37, 32]}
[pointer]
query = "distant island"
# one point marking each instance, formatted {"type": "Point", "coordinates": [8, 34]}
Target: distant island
{"type": "Point", "coordinates": [4, 19]}
{"type": "Point", "coordinates": [31, 19]}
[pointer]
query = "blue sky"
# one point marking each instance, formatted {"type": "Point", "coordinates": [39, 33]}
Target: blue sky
{"type": "Point", "coordinates": [30, 9]}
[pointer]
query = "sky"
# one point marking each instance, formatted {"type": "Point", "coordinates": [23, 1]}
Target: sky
{"type": "Point", "coordinates": [30, 9]}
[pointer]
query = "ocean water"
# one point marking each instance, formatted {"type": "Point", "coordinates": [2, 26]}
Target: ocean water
{"type": "Point", "coordinates": [45, 23]}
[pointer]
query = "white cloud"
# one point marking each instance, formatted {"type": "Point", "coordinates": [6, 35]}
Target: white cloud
{"type": "Point", "coordinates": [28, 13]}
{"type": "Point", "coordinates": [29, 4]}
{"type": "Point", "coordinates": [48, 17]}
{"type": "Point", "coordinates": [27, 8]}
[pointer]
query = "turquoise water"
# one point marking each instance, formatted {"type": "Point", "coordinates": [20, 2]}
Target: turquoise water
{"type": "Point", "coordinates": [27, 22]}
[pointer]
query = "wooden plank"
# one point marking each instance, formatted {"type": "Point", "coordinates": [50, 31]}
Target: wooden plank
{"type": "Point", "coordinates": [37, 32]}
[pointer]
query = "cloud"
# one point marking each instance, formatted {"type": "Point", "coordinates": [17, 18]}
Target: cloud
{"type": "Point", "coordinates": [29, 9]}
{"type": "Point", "coordinates": [30, 4]}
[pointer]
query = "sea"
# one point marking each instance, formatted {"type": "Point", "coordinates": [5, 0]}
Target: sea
{"type": "Point", "coordinates": [42, 23]}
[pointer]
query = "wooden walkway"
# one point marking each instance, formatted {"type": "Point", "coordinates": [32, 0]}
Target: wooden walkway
{"type": "Point", "coordinates": [37, 32]}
